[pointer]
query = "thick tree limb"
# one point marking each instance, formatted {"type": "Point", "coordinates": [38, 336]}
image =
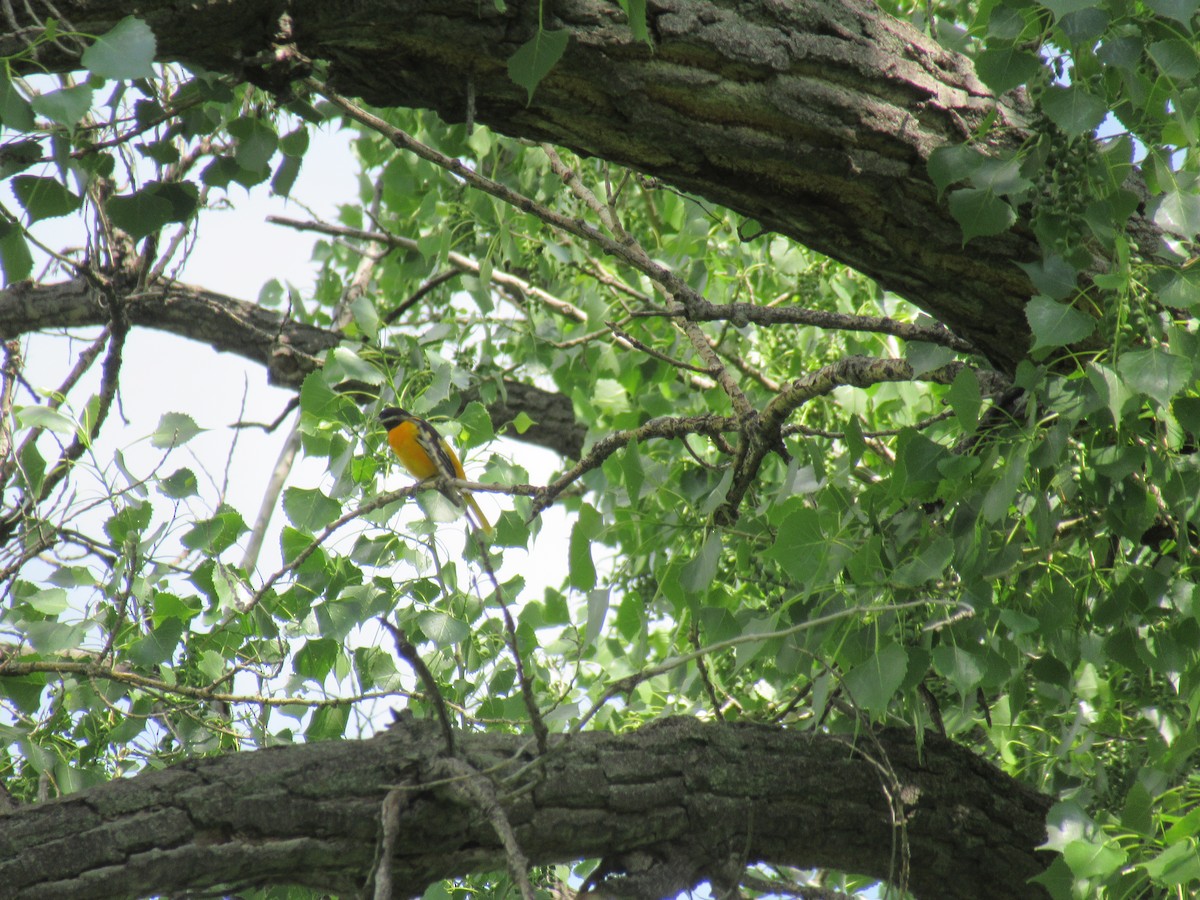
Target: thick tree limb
{"type": "Point", "coordinates": [816, 119]}
{"type": "Point", "coordinates": [680, 791]}
{"type": "Point", "coordinates": [288, 349]}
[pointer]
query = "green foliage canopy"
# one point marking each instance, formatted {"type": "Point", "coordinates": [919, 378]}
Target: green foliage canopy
{"type": "Point", "coordinates": [1008, 557]}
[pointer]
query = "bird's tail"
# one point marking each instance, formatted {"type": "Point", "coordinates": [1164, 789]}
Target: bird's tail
{"type": "Point", "coordinates": [483, 522]}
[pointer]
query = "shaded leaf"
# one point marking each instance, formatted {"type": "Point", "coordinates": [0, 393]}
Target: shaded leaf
{"type": "Point", "coordinates": [44, 198]}
{"type": "Point", "coordinates": [536, 57]}
{"type": "Point", "coordinates": [1056, 324]}
{"type": "Point", "coordinates": [979, 212]}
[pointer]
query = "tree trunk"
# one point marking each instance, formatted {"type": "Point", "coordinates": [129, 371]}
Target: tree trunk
{"type": "Point", "coordinates": [670, 805]}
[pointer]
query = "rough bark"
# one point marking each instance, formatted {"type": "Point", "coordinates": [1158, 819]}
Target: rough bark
{"type": "Point", "coordinates": [289, 350]}
{"type": "Point", "coordinates": [700, 801]}
{"type": "Point", "coordinates": [815, 118]}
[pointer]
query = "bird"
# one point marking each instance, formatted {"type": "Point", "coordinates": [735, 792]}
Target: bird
{"type": "Point", "coordinates": [425, 454]}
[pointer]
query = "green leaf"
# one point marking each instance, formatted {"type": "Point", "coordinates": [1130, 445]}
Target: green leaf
{"type": "Point", "coordinates": [635, 13]}
{"type": "Point", "coordinates": [1176, 58]}
{"type": "Point", "coordinates": [1056, 324]}
{"type": "Point", "coordinates": [285, 176]}
{"type": "Point", "coordinates": [1003, 68]}
{"type": "Point", "coordinates": [15, 111]}
{"type": "Point", "coordinates": [315, 660]}
{"type": "Point", "coordinates": [47, 418]}
{"type": "Point", "coordinates": [965, 399]}
{"type": "Point", "coordinates": [66, 107]}
{"type": "Point", "coordinates": [215, 535]}
{"type": "Point", "coordinates": [44, 198]}
{"type": "Point", "coordinates": [159, 645]}
{"type": "Point", "coordinates": [522, 423]}
{"type": "Point", "coordinates": [1178, 865]}
{"type": "Point", "coordinates": [536, 57]}
{"type": "Point", "coordinates": [917, 462]}
{"type": "Point", "coordinates": [128, 522]}
{"type": "Point", "coordinates": [962, 668]}
{"type": "Point", "coordinates": [443, 630]}
{"type": "Point", "coordinates": [1052, 275]}
{"type": "Point", "coordinates": [980, 212]}
{"type": "Point", "coordinates": [874, 682]}
{"type": "Point", "coordinates": [309, 509]}
{"type": "Point", "coordinates": [125, 52]}
{"type": "Point", "coordinates": [1155, 373]}
{"type": "Point", "coordinates": [698, 573]}
{"type": "Point", "coordinates": [1073, 109]}
{"type": "Point", "coordinates": [140, 213]}
{"type": "Point", "coordinates": [179, 484]}
{"type": "Point", "coordinates": [1179, 212]}
{"type": "Point", "coordinates": [999, 497]}
{"type": "Point", "coordinates": [295, 142]}
{"type": "Point", "coordinates": [220, 172]}
{"type": "Point", "coordinates": [15, 258]}
{"type": "Point", "coordinates": [1111, 388]}
{"type": "Point", "coordinates": [256, 143]}
{"type": "Point", "coordinates": [581, 570]}
{"type": "Point", "coordinates": [317, 399]}
{"type": "Point", "coordinates": [54, 637]}
{"type": "Point", "coordinates": [925, 357]}
{"type": "Point", "coordinates": [476, 425]}
{"type": "Point", "coordinates": [1181, 11]}
{"type": "Point", "coordinates": [597, 611]}
{"type": "Point", "coordinates": [49, 602]}
{"type": "Point", "coordinates": [328, 723]}
{"type": "Point", "coordinates": [346, 365]}
{"type": "Point", "coordinates": [1182, 291]}
{"type": "Point", "coordinates": [1089, 859]}
{"type": "Point", "coordinates": [803, 549]}
{"type": "Point", "coordinates": [928, 565]}
{"type": "Point", "coordinates": [1062, 8]}
{"type": "Point", "coordinates": [174, 430]}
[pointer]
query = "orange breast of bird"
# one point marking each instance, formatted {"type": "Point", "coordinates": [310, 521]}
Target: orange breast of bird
{"type": "Point", "coordinates": [403, 440]}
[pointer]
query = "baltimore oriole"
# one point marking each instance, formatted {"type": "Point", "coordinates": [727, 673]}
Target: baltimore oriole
{"type": "Point", "coordinates": [425, 454]}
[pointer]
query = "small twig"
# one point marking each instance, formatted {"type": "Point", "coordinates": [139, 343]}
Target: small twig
{"type": "Point", "coordinates": [266, 509]}
{"type": "Point", "coordinates": [671, 283]}
{"type": "Point", "coordinates": [416, 296]}
{"type": "Point", "coordinates": [753, 314]}
{"type": "Point", "coordinates": [650, 351]}
{"type": "Point", "coordinates": [109, 376]}
{"type": "Point", "coordinates": [702, 668]}
{"type": "Point", "coordinates": [14, 668]}
{"type": "Point", "coordinates": [455, 259]}
{"type": "Point", "coordinates": [540, 732]}
{"type": "Point", "coordinates": [409, 654]}
{"type": "Point", "coordinates": [479, 791]}
{"type": "Point", "coordinates": [268, 428]}
{"type": "Point", "coordinates": [394, 803]}
{"type": "Point", "coordinates": [343, 312]}
{"type": "Point", "coordinates": [10, 374]}
{"type": "Point", "coordinates": [370, 506]}
{"type": "Point", "coordinates": [661, 427]}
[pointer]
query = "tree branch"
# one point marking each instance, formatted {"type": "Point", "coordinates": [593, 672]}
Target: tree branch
{"type": "Point", "coordinates": [705, 791]}
{"type": "Point", "coordinates": [289, 350]}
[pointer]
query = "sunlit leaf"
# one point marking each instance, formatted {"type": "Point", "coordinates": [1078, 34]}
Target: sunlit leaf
{"type": "Point", "coordinates": [174, 430]}
{"type": "Point", "coordinates": [126, 51]}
